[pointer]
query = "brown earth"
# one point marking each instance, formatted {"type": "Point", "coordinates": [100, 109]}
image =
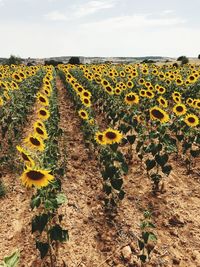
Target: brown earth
{"type": "Point", "coordinates": [96, 238]}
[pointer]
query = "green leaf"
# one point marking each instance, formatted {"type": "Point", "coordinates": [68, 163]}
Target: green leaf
{"type": "Point", "coordinates": [152, 236]}
{"type": "Point", "coordinates": [161, 159]}
{"type": "Point", "coordinates": [140, 244]}
{"type": "Point", "coordinates": [61, 199]}
{"type": "Point", "coordinates": [117, 183]}
{"type": "Point", "coordinates": [110, 172]}
{"type": "Point", "coordinates": [12, 260]}
{"type": "Point", "coordinates": [124, 167]}
{"type": "Point", "coordinates": [58, 234]}
{"type": "Point", "coordinates": [180, 137]}
{"type": "Point", "coordinates": [39, 222]}
{"type": "Point", "coordinates": [186, 146]}
{"type": "Point", "coordinates": [35, 202]}
{"type": "Point", "coordinates": [150, 164]}
{"type": "Point", "coordinates": [145, 236]}
{"type": "Point", "coordinates": [107, 188]}
{"type": "Point", "coordinates": [195, 153]}
{"type": "Point", "coordinates": [167, 169]}
{"type": "Point", "coordinates": [121, 194]}
{"type": "Point", "coordinates": [43, 248]}
{"type": "Point", "coordinates": [139, 145]}
{"type": "Point", "coordinates": [143, 258]}
{"type": "Point", "coordinates": [131, 139]}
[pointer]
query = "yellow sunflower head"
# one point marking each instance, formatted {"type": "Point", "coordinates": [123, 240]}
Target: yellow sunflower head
{"type": "Point", "coordinates": [191, 120]}
{"type": "Point", "coordinates": [131, 98]}
{"type": "Point", "coordinates": [158, 114]}
{"type": "Point", "coordinates": [25, 157]}
{"type": "Point", "coordinates": [42, 99]}
{"type": "Point", "coordinates": [162, 102]}
{"type": "Point", "coordinates": [43, 114]}
{"type": "Point", "coordinates": [149, 94]}
{"type": "Point", "coordinates": [35, 142]}
{"type": "Point", "coordinates": [36, 177]}
{"type": "Point", "coordinates": [40, 132]}
{"type": "Point", "coordinates": [83, 114]}
{"type": "Point", "coordinates": [179, 109]}
{"type": "Point", "coordinates": [99, 137]}
{"type": "Point", "coordinates": [86, 101]}
{"type": "Point", "coordinates": [112, 136]}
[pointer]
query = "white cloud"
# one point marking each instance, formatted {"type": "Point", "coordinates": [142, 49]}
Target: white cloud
{"type": "Point", "coordinates": [79, 11]}
{"type": "Point", "coordinates": [92, 7]}
{"type": "Point", "coordinates": [135, 21]}
{"type": "Point", "coordinates": [55, 16]}
{"type": "Point", "coordinates": [168, 11]}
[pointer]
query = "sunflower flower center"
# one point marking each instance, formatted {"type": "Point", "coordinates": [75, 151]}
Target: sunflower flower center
{"type": "Point", "coordinates": [191, 119]}
{"type": "Point", "coordinates": [35, 175]}
{"type": "Point", "coordinates": [111, 135]}
{"type": "Point", "coordinates": [130, 97]}
{"type": "Point", "coordinates": [35, 141]}
{"type": "Point", "coordinates": [38, 130]}
{"type": "Point", "coordinates": [179, 109]}
{"type": "Point", "coordinates": [157, 114]}
{"type": "Point", "coordinates": [25, 157]}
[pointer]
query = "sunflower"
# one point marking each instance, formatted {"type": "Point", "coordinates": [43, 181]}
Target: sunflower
{"type": "Point", "coordinates": [141, 81]}
{"type": "Point", "coordinates": [177, 99]}
{"type": "Point", "coordinates": [112, 136]}
{"type": "Point", "coordinates": [104, 82]}
{"type": "Point", "coordinates": [131, 98]}
{"type": "Point", "coordinates": [142, 92]}
{"type": "Point", "coordinates": [42, 99]}
{"type": "Point", "coordinates": [157, 113]}
{"type": "Point", "coordinates": [179, 81]}
{"type": "Point", "coordinates": [149, 94]}
{"type": "Point", "coordinates": [83, 114]}
{"type": "Point", "coordinates": [189, 101]}
{"type": "Point", "coordinates": [86, 101]}
{"type": "Point", "coordinates": [129, 84]}
{"type": "Point", "coordinates": [40, 132]}
{"type": "Point", "coordinates": [16, 77]}
{"type": "Point", "coordinates": [86, 93]}
{"type": "Point", "coordinates": [179, 109]}
{"type": "Point", "coordinates": [36, 177]}
{"type": "Point", "coordinates": [191, 120]}
{"type": "Point", "coordinates": [24, 155]}
{"type": "Point", "coordinates": [175, 93]}
{"type": "Point", "coordinates": [192, 79]}
{"type": "Point", "coordinates": [40, 124]}
{"type": "Point", "coordinates": [197, 104]}
{"type": "Point", "coordinates": [118, 91]}
{"type": "Point", "coordinates": [43, 114]}
{"type": "Point", "coordinates": [99, 137]}
{"type": "Point", "coordinates": [35, 142]}
{"type": "Point", "coordinates": [162, 101]}
{"type": "Point", "coordinates": [109, 89]}
{"type": "Point", "coordinates": [161, 90]}
{"type": "Point", "coordinates": [47, 92]}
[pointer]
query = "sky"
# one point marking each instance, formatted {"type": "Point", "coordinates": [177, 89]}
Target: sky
{"type": "Point", "coordinates": [48, 28]}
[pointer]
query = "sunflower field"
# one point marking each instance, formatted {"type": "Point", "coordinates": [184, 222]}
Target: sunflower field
{"type": "Point", "coordinates": [99, 165]}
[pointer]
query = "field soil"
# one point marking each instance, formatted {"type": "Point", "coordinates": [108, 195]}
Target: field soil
{"type": "Point", "coordinates": [98, 238]}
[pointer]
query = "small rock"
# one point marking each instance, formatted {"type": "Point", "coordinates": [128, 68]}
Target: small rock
{"type": "Point", "coordinates": [176, 220]}
{"type": "Point", "coordinates": [74, 157]}
{"type": "Point", "coordinates": [10, 237]}
{"type": "Point", "coordinates": [176, 261]}
{"type": "Point", "coordinates": [126, 253]}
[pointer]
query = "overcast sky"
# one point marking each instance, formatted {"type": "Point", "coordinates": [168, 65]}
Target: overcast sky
{"type": "Point", "coordinates": [44, 28]}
